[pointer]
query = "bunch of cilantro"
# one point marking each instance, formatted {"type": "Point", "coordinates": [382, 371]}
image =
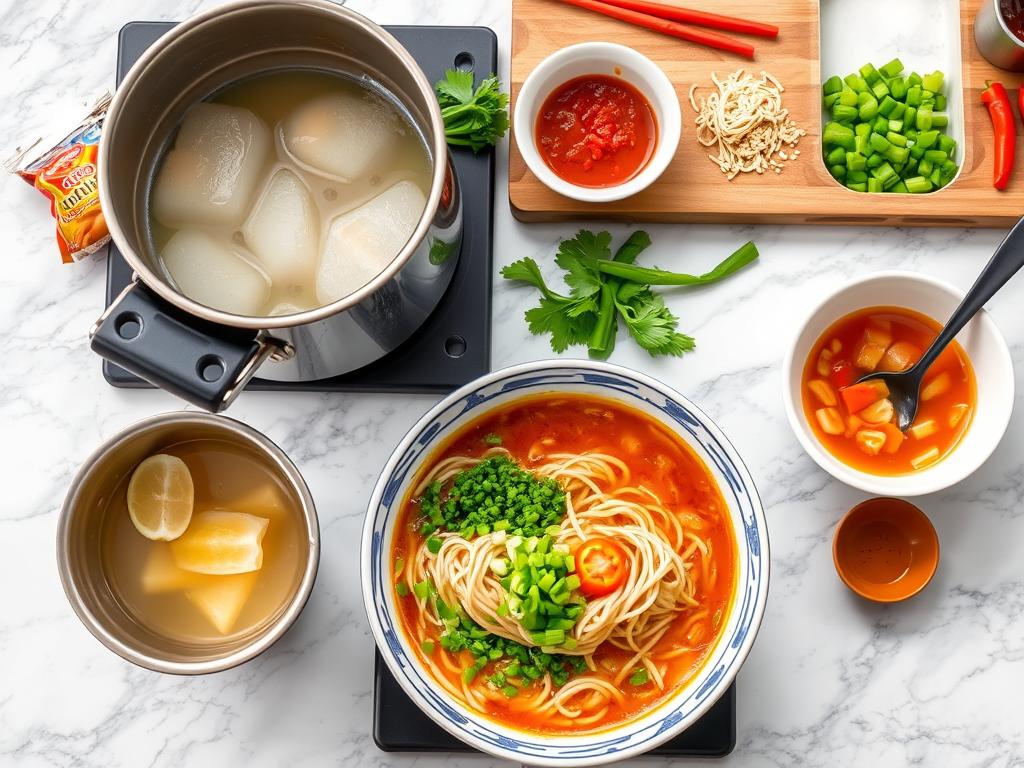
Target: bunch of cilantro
{"type": "Point", "coordinates": [473, 117]}
{"type": "Point", "coordinates": [604, 288]}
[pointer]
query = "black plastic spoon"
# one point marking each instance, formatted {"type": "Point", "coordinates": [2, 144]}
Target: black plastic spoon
{"type": "Point", "coordinates": [905, 386]}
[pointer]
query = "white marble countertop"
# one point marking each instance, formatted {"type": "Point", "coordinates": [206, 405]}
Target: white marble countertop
{"type": "Point", "coordinates": [832, 679]}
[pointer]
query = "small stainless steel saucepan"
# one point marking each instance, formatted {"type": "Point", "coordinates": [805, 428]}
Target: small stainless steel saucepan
{"type": "Point", "coordinates": [205, 355]}
{"type": "Point", "coordinates": [79, 557]}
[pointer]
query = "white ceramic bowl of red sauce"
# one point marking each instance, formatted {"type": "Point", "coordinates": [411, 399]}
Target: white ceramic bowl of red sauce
{"type": "Point", "coordinates": [982, 342]}
{"type": "Point", "coordinates": [605, 61]}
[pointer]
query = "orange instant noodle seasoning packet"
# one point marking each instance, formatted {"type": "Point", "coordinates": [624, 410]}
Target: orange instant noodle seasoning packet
{"type": "Point", "coordinates": [66, 173]}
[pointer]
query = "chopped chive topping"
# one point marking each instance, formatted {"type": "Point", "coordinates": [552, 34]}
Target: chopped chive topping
{"type": "Point", "coordinates": [402, 589]}
{"type": "Point", "coordinates": [399, 566]}
{"type": "Point", "coordinates": [639, 677]}
{"type": "Point", "coordinates": [493, 439]}
{"type": "Point", "coordinates": [434, 545]}
{"type": "Point", "coordinates": [422, 589]}
{"type": "Point", "coordinates": [509, 658]}
{"type": "Point", "coordinates": [427, 646]}
{"type": "Point", "coordinates": [494, 491]}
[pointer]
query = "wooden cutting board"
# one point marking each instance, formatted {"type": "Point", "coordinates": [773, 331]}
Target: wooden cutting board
{"type": "Point", "coordinates": [693, 189]}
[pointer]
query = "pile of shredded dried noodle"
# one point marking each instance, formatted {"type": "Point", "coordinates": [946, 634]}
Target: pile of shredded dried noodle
{"type": "Point", "coordinates": [745, 119]}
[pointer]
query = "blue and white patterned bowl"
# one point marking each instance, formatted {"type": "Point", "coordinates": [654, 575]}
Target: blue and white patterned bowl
{"type": "Point", "coordinates": [678, 414]}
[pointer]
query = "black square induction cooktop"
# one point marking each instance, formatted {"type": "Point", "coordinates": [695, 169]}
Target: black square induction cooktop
{"type": "Point", "coordinates": [400, 726]}
{"type": "Point", "coordinates": [453, 346]}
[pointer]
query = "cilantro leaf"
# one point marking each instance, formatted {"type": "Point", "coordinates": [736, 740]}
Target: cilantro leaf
{"type": "Point", "coordinates": [577, 307]}
{"type": "Point", "coordinates": [472, 118]}
{"type": "Point", "coordinates": [457, 86]}
{"type": "Point", "coordinates": [526, 271]}
{"type": "Point", "coordinates": [579, 257]}
{"type": "Point", "coordinates": [602, 288]}
{"type": "Point", "coordinates": [566, 331]}
{"type": "Point", "coordinates": [653, 325]}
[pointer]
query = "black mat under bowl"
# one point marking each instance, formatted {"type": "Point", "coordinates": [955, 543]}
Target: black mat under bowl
{"type": "Point", "coordinates": [400, 726]}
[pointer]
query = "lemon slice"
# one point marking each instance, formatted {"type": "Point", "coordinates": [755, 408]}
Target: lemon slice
{"type": "Point", "coordinates": [221, 542]}
{"type": "Point", "coordinates": [160, 496]}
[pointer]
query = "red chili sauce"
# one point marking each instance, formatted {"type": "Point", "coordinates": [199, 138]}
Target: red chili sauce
{"type": "Point", "coordinates": [1013, 15]}
{"type": "Point", "coordinates": [596, 131]}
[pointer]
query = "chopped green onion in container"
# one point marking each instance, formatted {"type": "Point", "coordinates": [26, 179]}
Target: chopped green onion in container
{"type": "Point", "coordinates": [886, 132]}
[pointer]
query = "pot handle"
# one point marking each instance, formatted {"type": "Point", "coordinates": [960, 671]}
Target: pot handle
{"type": "Point", "coordinates": [205, 363]}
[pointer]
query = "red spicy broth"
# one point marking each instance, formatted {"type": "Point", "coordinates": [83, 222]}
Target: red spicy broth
{"type": "Point", "coordinates": [531, 429]}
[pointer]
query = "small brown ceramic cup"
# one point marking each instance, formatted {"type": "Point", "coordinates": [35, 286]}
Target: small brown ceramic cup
{"type": "Point", "coordinates": [885, 550]}
{"type": "Point", "coordinates": [78, 550]}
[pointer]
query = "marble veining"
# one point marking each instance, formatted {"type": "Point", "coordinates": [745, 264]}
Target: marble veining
{"type": "Point", "coordinates": [832, 680]}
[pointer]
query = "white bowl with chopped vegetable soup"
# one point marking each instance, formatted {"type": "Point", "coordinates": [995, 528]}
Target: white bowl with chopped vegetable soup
{"type": "Point", "coordinates": [565, 563]}
{"type": "Point", "coordinates": [884, 322]}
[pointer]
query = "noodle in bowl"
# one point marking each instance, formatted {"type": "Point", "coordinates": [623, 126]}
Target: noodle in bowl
{"type": "Point", "coordinates": [676, 564]}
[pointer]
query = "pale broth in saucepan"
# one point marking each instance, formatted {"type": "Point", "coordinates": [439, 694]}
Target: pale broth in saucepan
{"type": "Point", "coordinates": [287, 191]}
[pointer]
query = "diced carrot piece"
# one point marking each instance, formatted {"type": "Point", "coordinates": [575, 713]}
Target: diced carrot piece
{"type": "Point", "coordinates": [879, 412]}
{"type": "Point", "coordinates": [857, 397]}
{"type": "Point", "coordinates": [831, 420]}
{"type": "Point", "coordinates": [853, 424]}
{"type": "Point", "coordinates": [924, 429]}
{"type": "Point", "coordinates": [957, 413]}
{"type": "Point", "coordinates": [926, 458]}
{"type": "Point", "coordinates": [871, 441]}
{"type": "Point", "coordinates": [823, 391]}
{"type": "Point", "coordinates": [937, 386]}
{"type": "Point", "coordinates": [893, 437]}
{"type": "Point", "coordinates": [899, 357]}
{"type": "Point", "coordinates": [824, 362]}
{"type": "Point", "coordinates": [869, 355]}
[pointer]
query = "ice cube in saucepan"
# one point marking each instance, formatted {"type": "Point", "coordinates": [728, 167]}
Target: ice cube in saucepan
{"type": "Point", "coordinates": [344, 136]}
{"type": "Point", "coordinates": [362, 242]}
{"type": "Point", "coordinates": [284, 308]}
{"type": "Point", "coordinates": [211, 173]}
{"type": "Point", "coordinates": [283, 230]}
{"type": "Point", "coordinates": [219, 274]}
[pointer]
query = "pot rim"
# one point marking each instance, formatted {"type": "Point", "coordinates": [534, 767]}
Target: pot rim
{"type": "Point", "coordinates": [261, 641]}
{"type": "Point", "coordinates": [439, 150]}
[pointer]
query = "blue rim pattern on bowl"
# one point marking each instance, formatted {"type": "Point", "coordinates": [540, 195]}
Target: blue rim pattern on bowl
{"type": "Point", "coordinates": [640, 734]}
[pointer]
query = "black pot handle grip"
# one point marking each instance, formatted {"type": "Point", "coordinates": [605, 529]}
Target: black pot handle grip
{"type": "Point", "coordinates": [205, 363]}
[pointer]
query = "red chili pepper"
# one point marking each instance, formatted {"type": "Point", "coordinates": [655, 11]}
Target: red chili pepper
{"type": "Point", "coordinates": [1004, 132]}
{"type": "Point", "coordinates": [843, 374]}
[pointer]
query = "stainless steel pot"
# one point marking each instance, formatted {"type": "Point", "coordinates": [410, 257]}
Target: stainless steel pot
{"type": "Point", "coordinates": [78, 552]}
{"type": "Point", "coordinates": [205, 355]}
{"type": "Point", "coordinates": [995, 40]}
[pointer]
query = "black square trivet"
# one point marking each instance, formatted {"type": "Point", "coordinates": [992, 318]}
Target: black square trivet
{"type": "Point", "coordinates": [453, 346]}
{"type": "Point", "coordinates": [400, 726]}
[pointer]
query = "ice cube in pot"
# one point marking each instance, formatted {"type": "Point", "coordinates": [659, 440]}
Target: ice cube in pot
{"type": "Point", "coordinates": [344, 136]}
{"type": "Point", "coordinates": [211, 173]}
{"type": "Point", "coordinates": [283, 230]}
{"type": "Point", "coordinates": [362, 242]}
{"type": "Point", "coordinates": [219, 274]}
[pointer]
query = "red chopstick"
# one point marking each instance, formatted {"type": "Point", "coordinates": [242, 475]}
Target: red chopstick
{"type": "Point", "coordinates": [700, 18]}
{"type": "Point", "coordinates": [683, 32]}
